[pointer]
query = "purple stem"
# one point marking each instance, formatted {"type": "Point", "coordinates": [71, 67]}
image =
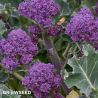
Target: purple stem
{"type": "Point", "coordinates": [54, 57]}
{"type": "Point", "coordinates": [53, 54]}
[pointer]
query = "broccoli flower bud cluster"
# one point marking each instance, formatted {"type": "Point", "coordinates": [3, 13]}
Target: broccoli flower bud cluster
{"type": "Point", "coordinates": [17, 49]}
{"type": "Point", "coordinates": [41, 80]}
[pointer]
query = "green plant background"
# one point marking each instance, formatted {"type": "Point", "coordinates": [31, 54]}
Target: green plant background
{"type": "Point", "coordinates": [10, 19]}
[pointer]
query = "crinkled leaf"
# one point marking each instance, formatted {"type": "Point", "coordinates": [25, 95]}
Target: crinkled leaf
{"type": "Point", "coordinates": [85, 71]}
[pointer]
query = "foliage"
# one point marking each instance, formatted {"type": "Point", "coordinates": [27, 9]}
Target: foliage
{"type": "Point", "coordinates": [84, 74]}
{"type": "Point", "coordinates": [76, 62]}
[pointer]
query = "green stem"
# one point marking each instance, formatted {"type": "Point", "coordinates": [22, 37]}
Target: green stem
{"type": "Point", "coordinates": [66, 50]}
{"type": "Point", "coordinates": [78, 46]}
{"type": "Point", "coordinates": [18, 76]}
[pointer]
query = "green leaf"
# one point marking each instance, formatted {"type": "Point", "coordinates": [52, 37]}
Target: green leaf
{"type": "Point", "coordinates": [89, 3]}
{"type": "Point", "coordinates": [82, 97]}
{"type": "Point", "coordinates": [3, 76]}
{"type": "Point", "coordinates": [13, 2]}
{"type": "Point", "coordinates": [2, 28]}
{"type": "Point", "coordinates": [42, 55]}
{"type": "Point", "coordinates": [85, 71]}
{"type": "Point", "coordinates": [65, 10]}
